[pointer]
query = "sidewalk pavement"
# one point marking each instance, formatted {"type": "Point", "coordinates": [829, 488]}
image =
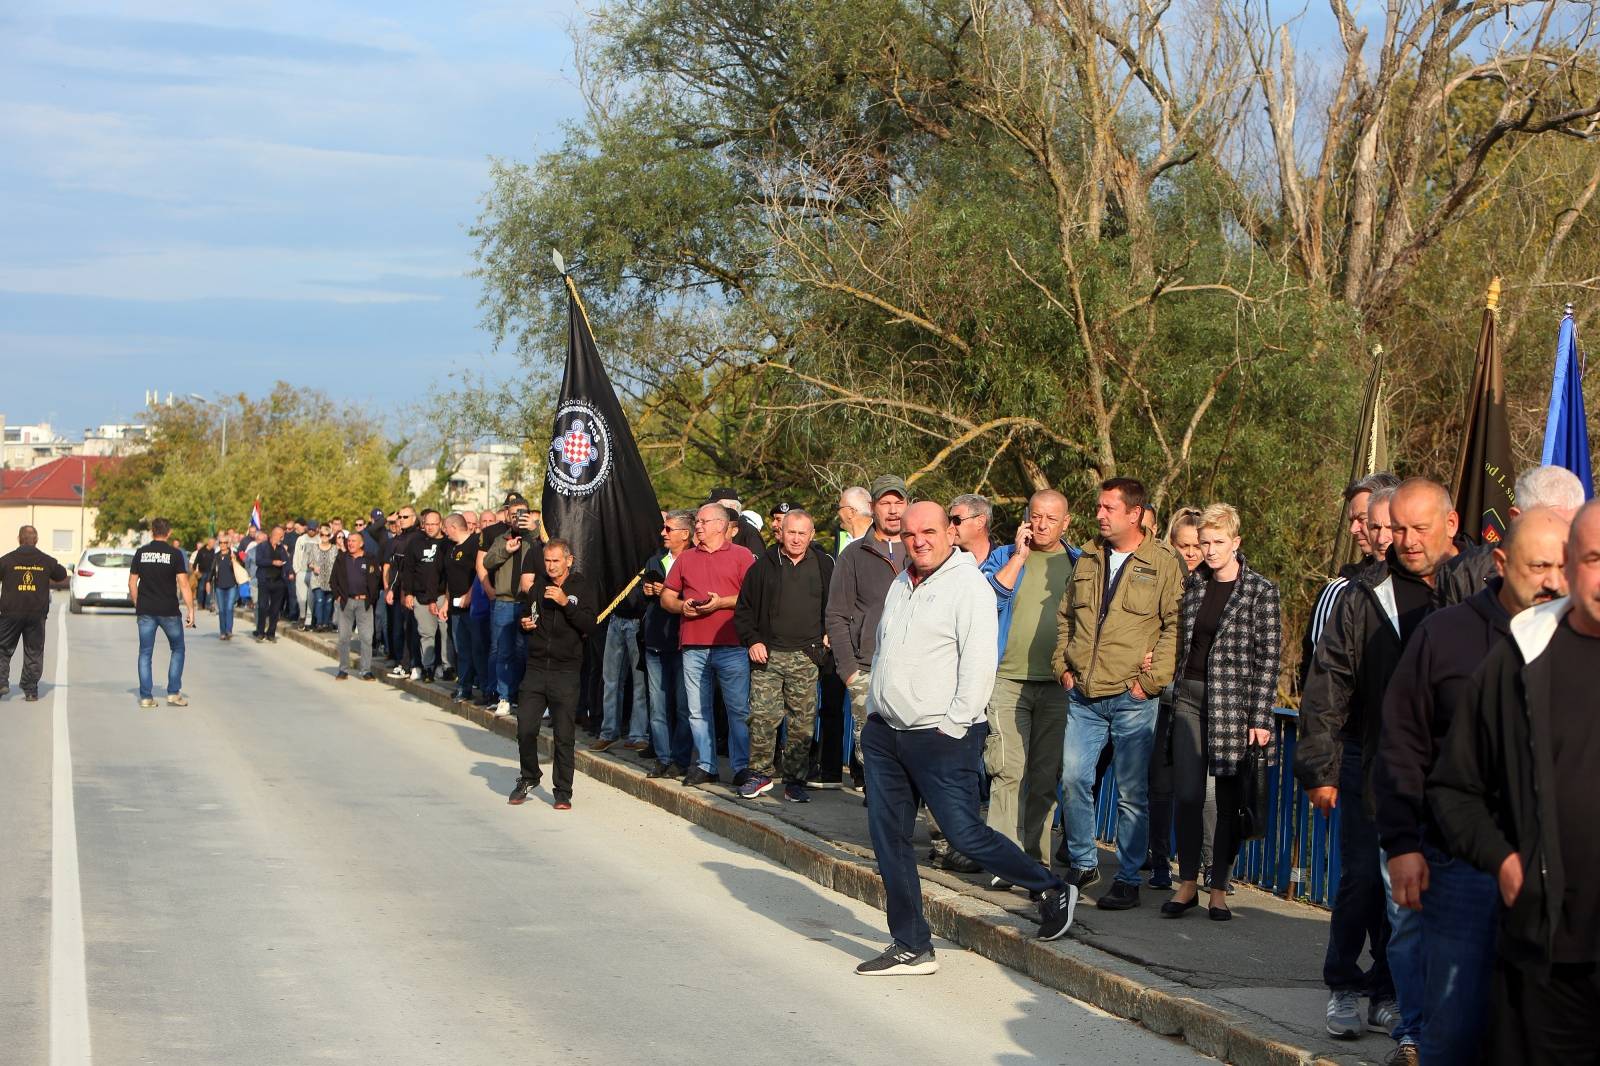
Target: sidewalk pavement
{"type": "Point", "coordinates": [1248, 991]}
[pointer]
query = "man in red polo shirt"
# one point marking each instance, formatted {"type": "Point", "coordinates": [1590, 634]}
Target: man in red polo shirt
{"type": "Point", "coordinates": [704, 588]}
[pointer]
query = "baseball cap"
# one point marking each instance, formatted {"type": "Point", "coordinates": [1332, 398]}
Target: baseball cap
{"type": "Point", "coordinates": [514, 499]}
{"type": "Point", "coordinates": [377, 514]}
{"type": "Point", "coordinates": [312, 526]}
{"type": "Point", "coordinates": [782, 509]}
{"type": "Point", "coordinates": [887, 483]}
{"type": "Point", "coordinates": [722, 492]}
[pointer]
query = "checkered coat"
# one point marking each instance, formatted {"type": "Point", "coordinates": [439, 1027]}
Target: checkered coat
{"type": "Point", "coordinates": [1242, 671]}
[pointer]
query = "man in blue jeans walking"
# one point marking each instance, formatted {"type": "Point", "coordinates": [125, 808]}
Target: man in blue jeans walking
{"type": "Point", "coordinates": [937, 651]}
{"type": "Point", "coordinates": [1121, 606]}
{"type": "Point", "coordinates": [703, 589]}
{"type": "Point", "coordinates": [153, 586]}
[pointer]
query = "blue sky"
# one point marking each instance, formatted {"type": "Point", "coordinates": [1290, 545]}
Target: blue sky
{"type": "Point", "coordinates": [214, 196]}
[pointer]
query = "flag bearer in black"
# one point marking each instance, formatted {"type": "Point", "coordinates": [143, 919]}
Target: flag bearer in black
{"type": "Point", "coordinates": [25, 577]}
{"type": "Point", "coordinates": [1513, 794]}
{"type": "Point", "coordinates": [559, 613]}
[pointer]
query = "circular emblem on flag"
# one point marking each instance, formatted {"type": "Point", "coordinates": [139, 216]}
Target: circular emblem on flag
{"type": "Point", "coordinates": [580, 455]}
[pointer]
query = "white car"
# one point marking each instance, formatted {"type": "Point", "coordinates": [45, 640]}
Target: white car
{"type": "Point", "coordinates": [101, 579]}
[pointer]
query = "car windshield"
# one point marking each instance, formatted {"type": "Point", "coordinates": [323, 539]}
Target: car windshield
{"type": "Point", "coordinates": [111, 560]}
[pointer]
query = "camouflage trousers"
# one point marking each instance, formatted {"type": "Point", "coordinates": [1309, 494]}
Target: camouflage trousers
{"type": "Point", "coordinates": [785, 685]}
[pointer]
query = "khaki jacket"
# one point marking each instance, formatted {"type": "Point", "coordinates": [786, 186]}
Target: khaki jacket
{"type": "Point", "coordinates": [1144, 617]}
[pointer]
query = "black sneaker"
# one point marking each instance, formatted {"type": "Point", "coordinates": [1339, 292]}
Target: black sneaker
{"type": "Point", "coordinates": [795, 792]}
{"type": "Point", "coordinates": [519, 794]}
{"type": "Point", "coordinates": [858, 776]}
{"type": "Point", "coordinates": [900, 962]}
{"type": "Point", "coordinates": [369, 676]}
{"type": "Point", "coordinates": [1056, 908]}
{"type": "Point", "coordinates": [741, 777]}
{"type": "Point", "coordinates": [999, 884]}
{"type": "Point", "coordinates": [958, 863]}
{"type": "Point", "coordinates": [697, 776]}
{"type": "Point", "coordinates": [447, 674]}
{"type": "Point", "coordinates": [1083, 879]}
{"type": "Point", "coordinates": [1122, 897]}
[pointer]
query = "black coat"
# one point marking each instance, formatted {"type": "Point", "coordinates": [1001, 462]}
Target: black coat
{"type": "Point", "coordinates": [1242, 668]}
{"type": "Point", "coordinates": [557, 640]}
{"type": "Point", "coordinates": [659, 630]}
{"type": "Point", "coordinates": [759, 601]}
{"type": "Point", "coordinates": [339, 583]}
{"type": "Point", "coordinates": [1493, 790]}
{"type": "Point", "coordinates": [1430, 687]}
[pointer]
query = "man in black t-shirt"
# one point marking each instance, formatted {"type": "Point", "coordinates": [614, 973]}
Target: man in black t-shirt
{"type": "Point", "coordinates": [154, 583]}
{"type": "Point", "coordinates": [469, 639]}
{"type": "Point", "coordinates": [25, 577]}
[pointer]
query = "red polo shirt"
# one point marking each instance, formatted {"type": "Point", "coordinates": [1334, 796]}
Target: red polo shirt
{"type": "Point", "coordinates": [699, 573]}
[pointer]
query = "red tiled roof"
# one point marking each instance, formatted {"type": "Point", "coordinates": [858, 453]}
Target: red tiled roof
{"type": "Point", "coordinates": [58, 481]}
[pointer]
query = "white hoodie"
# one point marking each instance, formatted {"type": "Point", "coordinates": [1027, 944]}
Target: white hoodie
{"type": "Point", "coordinates": [938, 649]}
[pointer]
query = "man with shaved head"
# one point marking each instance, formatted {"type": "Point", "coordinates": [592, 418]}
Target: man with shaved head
{"type": "Point", "coordinates": [937, 644]}
{"type": "Point", "coordinates": [1554, 487]}
{"type": "Point", "coordinates": [1451, 905]}
{"type": "Point", "coordinates": [25, 576]}
{"type": "Point", "coordinates": [1513, 795]}
{"type": "Point", "coordinates": [1028, 711]}
{"type": "Point", "coordinates": [1340, 715]}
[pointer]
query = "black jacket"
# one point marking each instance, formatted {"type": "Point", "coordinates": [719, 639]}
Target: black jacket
{"type": "Point", "coordinates": [25, 576]}
{"type": "Point", "coordinates": [746, 535]}
{"type": "Point", "coordinates": [759, 600]}
{"type": "Point", "coordinates": [1322, 612]}
{"type": "Point", "coordinates": [557, 640]}
{"type": "Point", "coordinates": [1493, 790]}
{"type": "Point", "coordinates": [1431, 685]}
{"type": "Point", "coordinates": [221, 570]}
{"type": "Point", "coordinates": [266, 573]}
{"type": "Point", "coordinates": [1355, 659]}
{"type": "Point", "coordinates": [339, 584]}
{"type": "Point", "coordinates": [659, 630]}
{"type": "Point", "coordinates": [1464, 576]}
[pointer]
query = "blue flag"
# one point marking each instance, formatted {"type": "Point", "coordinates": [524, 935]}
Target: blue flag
{"type": "Point", "coordinates": [1566, 430]}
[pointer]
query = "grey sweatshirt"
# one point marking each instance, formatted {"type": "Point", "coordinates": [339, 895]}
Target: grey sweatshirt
{"type": "Point", "coordinates": [938, 649]}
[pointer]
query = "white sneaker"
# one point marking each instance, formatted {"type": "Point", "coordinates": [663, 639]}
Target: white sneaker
{"type": "Point", "coordinates": [416, 673]}
{"type": "Point", "coordinates": [502, 709]}
{"type": "Point", "coordinates": [398, 671]}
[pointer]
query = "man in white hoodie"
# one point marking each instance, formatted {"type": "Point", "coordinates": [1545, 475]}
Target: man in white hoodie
{"type": "Point", "coordinates": [937, 642]}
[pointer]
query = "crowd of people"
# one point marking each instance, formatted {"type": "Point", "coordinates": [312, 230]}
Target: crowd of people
{"type": "Point", "coordinates": [1447, 707]}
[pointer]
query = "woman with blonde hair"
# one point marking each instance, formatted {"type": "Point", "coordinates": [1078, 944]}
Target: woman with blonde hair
{"type": "Point", "coordinates": [1229, 641]}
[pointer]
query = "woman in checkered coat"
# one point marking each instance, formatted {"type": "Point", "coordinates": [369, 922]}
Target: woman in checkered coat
{"type": "Point", "coordinates": [1228, 646]}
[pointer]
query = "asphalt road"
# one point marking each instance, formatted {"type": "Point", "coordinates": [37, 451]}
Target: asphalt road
{"type": "Point", "coordinates": [294, 870]}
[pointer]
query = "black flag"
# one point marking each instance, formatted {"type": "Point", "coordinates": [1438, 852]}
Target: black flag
{"type": "Point", "coordinates": [1483, 470]}
{"type": "Point", "coordinates": [596, 492]}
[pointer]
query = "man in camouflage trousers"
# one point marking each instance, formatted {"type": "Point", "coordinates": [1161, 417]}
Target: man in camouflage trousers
{"type": "Point", "coordinates": [780, 620]}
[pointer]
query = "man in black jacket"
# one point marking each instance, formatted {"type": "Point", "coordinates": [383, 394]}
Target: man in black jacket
{"type": "Point", "coordinates": [272, 563]}
{"type": "Point", "coordinates": [1339, 719]}
{"type": "Point", "coordinates": [561, 615]}
{"type": "Point", "coordinates": [356, 584]}
{"type": "Point", "coordinates": [663, 659]}
{"type": "Point", "coordinates": [1451, 906]}
{"type": "Point", "coordinates": [780, 617]}
{"type": "Point", "coordinates": [1513, 794]}
{"type": "Point", "coordinates": [25, 577]}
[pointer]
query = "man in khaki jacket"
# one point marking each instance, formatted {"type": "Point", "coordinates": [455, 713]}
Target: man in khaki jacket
{"type": "Point", "coordinates": [1122, 605]}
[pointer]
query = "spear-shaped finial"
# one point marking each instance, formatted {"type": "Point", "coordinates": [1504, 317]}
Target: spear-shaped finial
{"type": "Point", "coordinates": [561, 264]}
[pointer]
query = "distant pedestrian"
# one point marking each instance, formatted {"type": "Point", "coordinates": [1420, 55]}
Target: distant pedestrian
{"type": "Point", "coordinates": [155, 580]}
{"type": "Point", "coordinates": [669, 700]}
{"type": "Point", "coordinates": [320, 558]}
{"type": "Point", "coordinates": [356, 586]}
{"type": "Point", "coordinates": [25, 576]}
{"type": "Point", "coordinates": [468, 633]}
{"type": "Point", "coordinates": [938, 643]}
{"type": "Point", "coordinates": [272, 564]}
{"type": "Point", "coordinates": [224, 580]}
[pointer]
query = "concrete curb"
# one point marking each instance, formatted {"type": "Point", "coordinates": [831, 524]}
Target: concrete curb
{"type": "Point", "coordinates": [1069, 966]}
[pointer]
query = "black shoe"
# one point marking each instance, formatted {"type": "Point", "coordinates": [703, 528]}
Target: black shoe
{"type": "Point", "coordinates": [900, 962]}
{"type": "Point", "coordinates": [999, 884]}
{"type": "Point", "coordinates": [1173, 909]}
{"type": "Point", "coordinates": [659, 770]}
{"type": "Point", "coordinates": [341, 676]}
{"type": "Point", "coordinates": [30, 697]}
{"type": "Point", "coordinates": [447, 674]}
{"type": "Point", "coordinates": [519, 794]}
{"type": "Point", "coordinates": [1084, 879]}
{"type": "Point", "coordinates": [956, 862]}
{"type": "Point", "coordinates": [795, 792]}
{"type": "Point", "coordinates": [1056, 908]}
{"type": "Point", "coordinates": [741, 777]}
{"type": "Point", "coordinates": [1122, 897]}
{"type": "Point", "coordinates": [427, 675]}
{"type": "Point", "coordinates": [273, 639]}
{"type": "Point", "coordinates": [1219, 914]}
{"type": "Point", "coordinates": [698, 776]}
{"type": "Point", "coordinates": [858, 775]}
{"type": "Point", "coordinates": [369, 676]}
{"type": "Point", "coordinates": [1162, 878]}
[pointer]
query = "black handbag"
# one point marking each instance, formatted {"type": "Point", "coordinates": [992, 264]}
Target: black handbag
{"type": "Point", "coordinates": [1253, 799]}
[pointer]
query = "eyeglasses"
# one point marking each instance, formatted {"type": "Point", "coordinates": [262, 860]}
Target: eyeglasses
{"type": "Point", "coordinates": [710, 521]}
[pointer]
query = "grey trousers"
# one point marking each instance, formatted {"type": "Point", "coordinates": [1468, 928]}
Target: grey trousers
{"type": "Point", "coordinates": [355, 616]}
{"type": "Point", "coordinates": [428, 628]}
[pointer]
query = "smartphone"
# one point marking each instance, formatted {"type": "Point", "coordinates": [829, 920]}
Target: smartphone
{"type": "Point", "coordinates": [653, 577]}
{"type": "Point", "coordinates": [701, 603]}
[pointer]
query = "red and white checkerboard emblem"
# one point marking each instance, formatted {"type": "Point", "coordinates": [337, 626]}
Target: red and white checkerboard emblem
{"type": "Point", "coordinates": [580, 453]}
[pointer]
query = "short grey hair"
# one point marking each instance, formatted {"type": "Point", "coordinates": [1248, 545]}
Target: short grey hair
{"type": "Point", "coordinates": [1548, 486]}
{"type": "Point", "coordinates": [683, 518]}
{"type": "Point", "coordinates": [858, 499]}
{"type": "Point", "coordinates": [1372, 483]}
{"type": "Point", "coordinates": [1382, 494]}
{"type": "Point", "coordinates": [978, 505]}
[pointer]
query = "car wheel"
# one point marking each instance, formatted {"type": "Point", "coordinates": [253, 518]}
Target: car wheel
{"type": "Point", "coordinates": [75, 605]}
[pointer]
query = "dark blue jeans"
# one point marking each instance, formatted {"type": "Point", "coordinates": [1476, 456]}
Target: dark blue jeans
{"type": "Point", "coordinates": [321, 607]}
{"type": "Point", "coordinates": [470, 636]}
{"type": "Point", "coordinates": [508, 648]}
{"type": "Point", "coordinates": [905, 765]}
{"type": "Point", "coordinates": [669, 708]}
{"type": "Point", "coordinates": [173, 628]}
{"type": "Point", "coordinates": [1359, 919]}
{"type": "Point", "coordinates": [1460, 920]}
{"type": "Point", "coordinates": [226, 598]}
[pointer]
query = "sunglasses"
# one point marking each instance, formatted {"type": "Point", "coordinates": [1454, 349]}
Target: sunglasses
{"type": "Point", "coordinates": [956, 520]}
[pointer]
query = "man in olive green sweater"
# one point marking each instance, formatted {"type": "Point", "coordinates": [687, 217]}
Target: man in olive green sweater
{"type": "Point", "coordinates": [1122, 604]}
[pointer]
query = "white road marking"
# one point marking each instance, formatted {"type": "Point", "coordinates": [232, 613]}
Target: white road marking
{"type": "Point", "coordinates": [69, 985]}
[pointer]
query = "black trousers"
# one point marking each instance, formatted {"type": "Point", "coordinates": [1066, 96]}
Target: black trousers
{"type": "Point", "coordinates": [829, 759]}
{"type": "Point", "coordinates": [272, 593]}
{"type": "Point", "coordinates": [1550, 1021]}
{"type": "Point", "coordinates": [30, 630]}
{"type": "Point", "coordinates": [1161, 790]}
{"type": "Point", "coordinates": [1191, 765]}
{"type": "Point", "coordinates": [556, 686]}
